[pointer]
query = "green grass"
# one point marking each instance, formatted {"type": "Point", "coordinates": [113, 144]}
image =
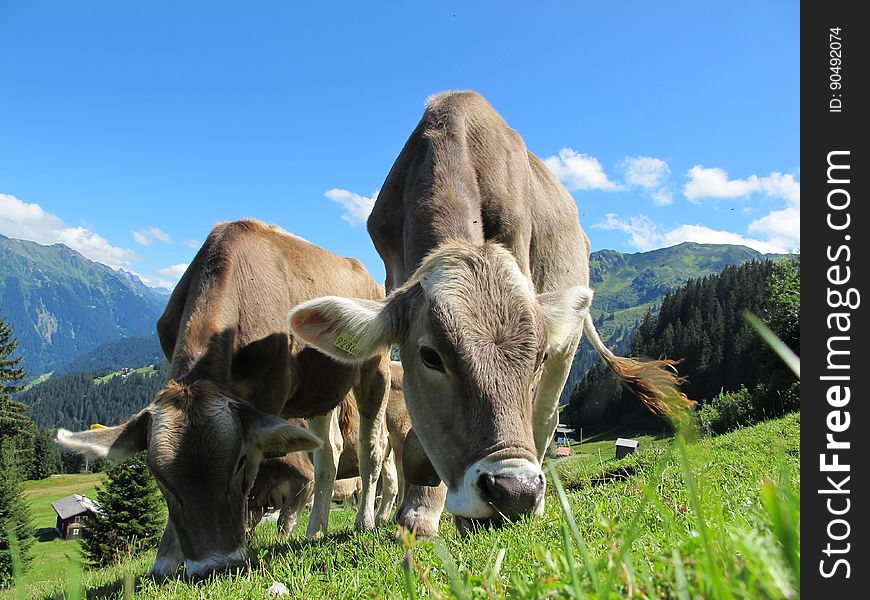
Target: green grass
{"type": "Point", "coordinates": [37, 380]}
{"type": "Point", "coordinates": [54, 559]}
{"type": "Point", "coordinates": [711, 518]}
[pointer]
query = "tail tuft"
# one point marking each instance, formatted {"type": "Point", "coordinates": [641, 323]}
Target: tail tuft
{"type": "Point", "coordinates": [655, 382]}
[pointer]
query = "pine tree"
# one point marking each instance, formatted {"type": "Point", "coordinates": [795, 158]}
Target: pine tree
{"type": "Point", "coordinates": [45, 459]}
{"type": "Point", "coordinates": [130, 519]}
{"type": "Point", "coordinates": [12, 417]}
{"type": "Point", "coordinates": [15, 518]}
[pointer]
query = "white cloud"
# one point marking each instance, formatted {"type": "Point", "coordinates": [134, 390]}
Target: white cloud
{"type": "Point", "coordinates": [782, 226]}
{"type": "Point", "coordinates": [645, 171]}
{"type": "Point", "coordinates": [579, 171]}
{"type": "Point", "coordinates": [356, 207]}
{"type": "Point", "coordinates": [714, 183]}
{"type": "Point", "coordinates": [28, 221]}
{"type": "Point", "coordinates": [195, 244]}
{"type": "Point", "coordinates": [647, 235]}
{"type": "Point", "coordinates": [174, 271]}
{"type": "Point", "coordinates": [156, 282]}
{"type": "Point", "coordinates": [147, 236]}
{"type": "Point", "coordinates": [662, 197]}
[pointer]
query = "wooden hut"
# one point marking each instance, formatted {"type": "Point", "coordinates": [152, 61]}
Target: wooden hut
{"type": "Point", "coordinates": [73, 514]}
{"type": "Point", "coordinates": [624, 447]}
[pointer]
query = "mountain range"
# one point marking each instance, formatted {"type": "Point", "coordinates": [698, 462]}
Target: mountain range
{"type": "Point", "coordinates": [62, 305]}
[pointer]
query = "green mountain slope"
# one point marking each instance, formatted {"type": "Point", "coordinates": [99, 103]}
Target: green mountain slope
{"type": "Point", "coordinates": [77, 400]}
{"type": "Point", "coordinates": [62, 305]}
{"type": "Point", "coordinates": [627, 285]}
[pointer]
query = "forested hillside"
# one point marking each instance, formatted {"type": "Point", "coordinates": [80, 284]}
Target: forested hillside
{"type": "Point", "coordinates": [77, 400]}
{"type": "Point", "coordinates": [726, 365]}
{"type": "Point", "coordinates": [132, 352]}
{"type": "Point", "coordinates": [626, 286]}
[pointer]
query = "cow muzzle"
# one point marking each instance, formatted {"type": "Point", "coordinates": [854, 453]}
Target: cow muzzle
{"type": "Point", "coordinates": [214, 564]}
{"type": "Point", "coordinates": [501, 489]}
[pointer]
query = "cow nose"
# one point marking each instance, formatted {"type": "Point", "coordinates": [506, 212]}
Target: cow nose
{"type": "Point", "coordinates": [512, 494]}
{"type": "Point", "coordinates": [214, 565]}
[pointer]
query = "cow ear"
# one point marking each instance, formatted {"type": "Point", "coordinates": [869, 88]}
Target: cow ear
{"type": "Point", "coordinates": [274, 436]}
{"type": "Point", "coordinates": [350, 330]}
{"type": "Point", "coordinates": [565, 312]}
{"type": "Point", "coordinates": [114, 443]}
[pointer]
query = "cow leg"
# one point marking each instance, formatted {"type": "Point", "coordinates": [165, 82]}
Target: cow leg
{"type": "Point", "coordinates": [371, 393]}
{"type": "Point", "coordinates": [325, 466]}
{"type": "Point", "coordinates": [169, 557]}
{"type": "Point", "coordinates": [389, 489]}
{"type": "Point", "coordinates": [546, 410]}
{"type": "Point", "coordinates": [421, 510]}
{"type": "Point", "coordinates": [298, 497]}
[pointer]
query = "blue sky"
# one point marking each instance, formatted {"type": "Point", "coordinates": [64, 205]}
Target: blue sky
{"type": "Point", "coordinates": [127, 130]}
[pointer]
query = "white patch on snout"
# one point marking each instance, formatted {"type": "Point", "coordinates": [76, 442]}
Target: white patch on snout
{"type": "Point", "coordinates": [466, 500]}
{"type": "Point", "coordinates": [218, 562]}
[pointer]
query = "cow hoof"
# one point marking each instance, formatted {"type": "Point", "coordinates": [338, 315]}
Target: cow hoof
{"type": "Point", "coordinates": [364, 524]}
{"type": "Point", "coordinates": [163, 569]}
{"type": "Point", "coordinates": [420, 524]}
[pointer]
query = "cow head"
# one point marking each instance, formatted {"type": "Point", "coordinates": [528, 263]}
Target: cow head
{"type": "Point", "coordinates": [474, 338]}
{"type": "Point", "coordinates": [204, 449]}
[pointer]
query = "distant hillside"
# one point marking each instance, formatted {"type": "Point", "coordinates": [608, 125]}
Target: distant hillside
{"type": "Point", "coordinates": [62, 305]}
{"type": "Point", "coordinates": [131, 353]}
{"type": "Point", "coordinates": [627, 285]}
{"type": "Point", "coordinates": [77, 400]}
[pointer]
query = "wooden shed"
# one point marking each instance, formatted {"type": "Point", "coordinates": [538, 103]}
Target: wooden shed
{"type": "Point", "coordinates": [624, 447]}
{"type": "Point", "coordinates": [564, 434]}
{"type": "Point", "coordinates": [73, 514]}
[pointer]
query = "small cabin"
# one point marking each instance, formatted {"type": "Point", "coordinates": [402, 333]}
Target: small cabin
{"type": "Point", "coordinates": [73, 515]}
{"type": "Point", "coordinates": [565, 434]}
{"type": "Point", "coordinates": [624, 447]}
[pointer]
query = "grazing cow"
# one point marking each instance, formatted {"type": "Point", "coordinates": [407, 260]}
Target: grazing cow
{"type": "Point", "coordinates": [488, 273]}
{"type": "Point", "coordinates": [347, 490]}
{"type": "Point", "coordinates": [286, 482]}
{"type": "Point", "coordinates": [233, 371]}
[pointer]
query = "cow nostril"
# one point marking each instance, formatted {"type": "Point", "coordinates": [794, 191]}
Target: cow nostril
{"type": "Point", "coordinates": [490, 490]}
{"type": "Point", "coordinates": [511, 494]}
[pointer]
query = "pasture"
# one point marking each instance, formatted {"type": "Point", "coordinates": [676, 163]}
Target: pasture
{"type": "Point", "coordinates": [713, 518]}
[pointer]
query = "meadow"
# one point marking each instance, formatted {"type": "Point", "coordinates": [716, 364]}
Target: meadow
{"type": "Point", "coordinates": [682, 518]}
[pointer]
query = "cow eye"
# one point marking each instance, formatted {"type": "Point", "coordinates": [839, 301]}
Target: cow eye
{"type": "Point", "coordinates": [431, 359]}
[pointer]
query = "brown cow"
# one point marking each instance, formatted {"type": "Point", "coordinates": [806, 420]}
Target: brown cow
{"type": "Point", "coordinates": [284, 482]}
{"type": "Point", "coordinates": [233, 371]}
{"type": "Point", "coordinates": [488, 271]}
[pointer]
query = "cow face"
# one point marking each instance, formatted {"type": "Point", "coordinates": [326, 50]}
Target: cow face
{"type": "Point", "coordinates": [474, 341]}
{"type": "Point", "coordinates": [204, 449]}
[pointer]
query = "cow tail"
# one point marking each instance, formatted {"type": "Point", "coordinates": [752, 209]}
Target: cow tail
{"type": "Point", "coordinates": [346, 412]}
{"type": "Point", "coordinates": [655, 382]}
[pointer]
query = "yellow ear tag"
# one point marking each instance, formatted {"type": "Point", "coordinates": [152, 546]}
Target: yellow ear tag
{"type": "Point", "coordinates": [347, 342]}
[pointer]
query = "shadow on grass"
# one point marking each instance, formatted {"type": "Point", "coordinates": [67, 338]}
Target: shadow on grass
{"type": "Point", "coordinates": [46, 534]}
{"type": "Point", "coordinates": [114, 589]}
{"type": "Point", "coordinates": [618, 473]}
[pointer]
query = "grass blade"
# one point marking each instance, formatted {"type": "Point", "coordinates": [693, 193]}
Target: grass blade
{"type": "Point", "coordinates": [784, 352]}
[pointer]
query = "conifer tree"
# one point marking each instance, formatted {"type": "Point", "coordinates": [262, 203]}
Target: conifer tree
{"type": "Point", "coordinates": [130, 519]}
{"type": "Point", "coordinates": [15, 518]}
{"type": "Point", "coordinates": [12, 417]}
